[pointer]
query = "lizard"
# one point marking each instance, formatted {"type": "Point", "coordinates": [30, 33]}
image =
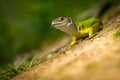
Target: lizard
{"type": "Point", "coordinates": [81, 29]}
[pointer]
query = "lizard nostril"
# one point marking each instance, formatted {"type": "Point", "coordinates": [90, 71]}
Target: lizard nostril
{"type": "Point", "coordinates": [53, 24]}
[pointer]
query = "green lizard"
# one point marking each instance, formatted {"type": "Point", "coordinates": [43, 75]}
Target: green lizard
{"type": "Point", "coordinates": [77, 30]}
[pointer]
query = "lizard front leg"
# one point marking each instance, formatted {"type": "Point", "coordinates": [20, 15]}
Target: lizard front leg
{"type": "Point", "coordinates": [93, 29]}
{"type": "Point", "coordinates": [73, 41]}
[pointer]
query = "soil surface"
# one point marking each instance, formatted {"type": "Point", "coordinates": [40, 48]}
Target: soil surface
{"type": "Point", "coordinates": [97, 58]}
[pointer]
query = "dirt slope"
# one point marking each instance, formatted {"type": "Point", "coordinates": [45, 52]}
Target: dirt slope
{"type": "Point", "coordinates": [97, 58]}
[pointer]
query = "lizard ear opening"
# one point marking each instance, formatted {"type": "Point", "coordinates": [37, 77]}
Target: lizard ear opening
{"type": "Point", "coordinates": [69, 20]}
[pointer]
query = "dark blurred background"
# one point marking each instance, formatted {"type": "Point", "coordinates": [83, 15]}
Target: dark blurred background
{"type": "Point", "coordinates": [25, 24]}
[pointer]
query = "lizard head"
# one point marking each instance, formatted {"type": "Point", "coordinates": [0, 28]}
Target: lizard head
{"type": "Point", "coordinates": [66, 25]}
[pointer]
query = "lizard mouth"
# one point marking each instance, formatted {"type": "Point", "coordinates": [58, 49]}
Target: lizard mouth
{"type": "Point", "coordinates": [57, 24]}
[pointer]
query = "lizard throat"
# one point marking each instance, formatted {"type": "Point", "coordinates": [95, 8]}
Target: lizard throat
{"type": "Point", "coordinates": [71, 29]}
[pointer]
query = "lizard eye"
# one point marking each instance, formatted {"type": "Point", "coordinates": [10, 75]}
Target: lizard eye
{"type": "Point", "coordinates": [62, 18]}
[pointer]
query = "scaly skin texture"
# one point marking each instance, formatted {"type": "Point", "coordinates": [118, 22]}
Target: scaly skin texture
{"type": "Point", "coordinates": [79, 29]}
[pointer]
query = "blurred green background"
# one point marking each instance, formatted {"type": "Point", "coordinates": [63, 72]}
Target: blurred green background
{"type": "Point", "coordinates": [25, 24]}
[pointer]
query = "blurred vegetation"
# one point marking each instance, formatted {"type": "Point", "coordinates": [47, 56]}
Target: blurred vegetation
{"type": "Point", "coordinates": [17, 67]}
{"type": "Point", "coordinates": [25, 24]}
{"type": "Point", "coordinates": [117, 34]}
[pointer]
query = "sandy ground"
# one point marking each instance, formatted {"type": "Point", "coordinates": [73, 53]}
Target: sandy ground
{"type": "Point", "coordinates": [97, 58]}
